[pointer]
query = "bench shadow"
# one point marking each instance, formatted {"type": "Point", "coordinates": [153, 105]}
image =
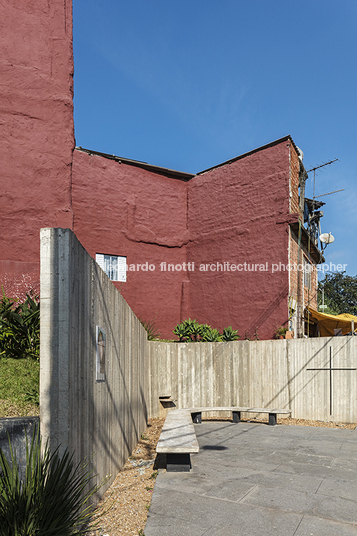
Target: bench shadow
{"type": "Point", "coordinates": [160, 461]}
{"type": "Point", "coordinates": [213, 447]}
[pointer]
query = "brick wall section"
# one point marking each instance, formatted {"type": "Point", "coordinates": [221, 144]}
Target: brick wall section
{"type": "Point", "coordinates": [298, 290]}
{"type": "Point", "coordinates": [294, 258]}
{"type": "Point", "coordinates": [294, 180]}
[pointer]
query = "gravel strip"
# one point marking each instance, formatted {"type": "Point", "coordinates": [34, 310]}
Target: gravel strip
{"type": "Point", "coordinates": [124, 507]}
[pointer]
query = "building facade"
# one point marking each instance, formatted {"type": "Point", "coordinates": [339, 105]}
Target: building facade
{"type": "Point", "coordinates": [219, 246]}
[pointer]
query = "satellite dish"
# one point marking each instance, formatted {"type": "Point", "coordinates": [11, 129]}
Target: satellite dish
{"type": "Point", "coordinates": [327, 238]}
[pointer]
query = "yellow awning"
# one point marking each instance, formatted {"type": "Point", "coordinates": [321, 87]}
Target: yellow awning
{"type": "Point", "coordinates": [328, 323]}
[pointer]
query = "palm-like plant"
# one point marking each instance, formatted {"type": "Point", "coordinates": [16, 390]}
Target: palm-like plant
{"type": "Point", "coordinates": [230, 334]}
{"type": "Point", "coordinates": [52, 498]}
{"type": "Point", "coordinates": [20, 328]}
{"type": "Point", "coordinates": [188, 330]}
{"type": "Point", "coordinates": [209, 334]}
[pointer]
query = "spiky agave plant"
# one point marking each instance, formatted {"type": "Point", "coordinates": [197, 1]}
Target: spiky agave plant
{"type": "Point", "coordinates": [52, 498]}
{"type": "Point", "coordinates": [210, 334]}
{"type": "Point", "coordinates": [230, 334]}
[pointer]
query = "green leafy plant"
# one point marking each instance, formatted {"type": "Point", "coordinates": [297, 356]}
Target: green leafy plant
{"type": "Point", "coordinates": [210, 334]}
{"type": "Point", "coordinates": [151, 329]}
{"type": "Point", "coordinates": [191, 331]}
{"type": "Point", "coordinates": [186, 330]}
{"type": "Point", "coordinates": [280, 332]}
{"type": "Point", "coordinates": [51, 499]}
{"type": "Point", "coordinates": [230, 334]}
{"type": "Point", "coordinates": [195, 331]}
{"type": "Point", "coordinates": [340, 293]}
{"type": "Point", "coordinates": [20, 328]}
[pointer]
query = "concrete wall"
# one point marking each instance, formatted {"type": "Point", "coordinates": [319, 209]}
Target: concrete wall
{"type": "Point", "coordinates": [16, 429]}
{"type": "Point", "coordinates": [36, 133]}
{"type": "Point", "coordinates": [88, 416]}
{"type": "Point", "coordinates": [259, 374]}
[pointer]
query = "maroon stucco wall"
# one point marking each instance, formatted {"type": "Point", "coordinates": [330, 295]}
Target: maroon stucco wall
{"type": "Point", "coordinates": [238, 213]}
{"type": "Point", "coordinates": [36, 132]}
{"type": "Point", "coordinates": [124, 210]}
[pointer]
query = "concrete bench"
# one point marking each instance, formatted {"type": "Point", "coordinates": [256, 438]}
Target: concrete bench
{"type": "Point", "coordinates": [178, 437]}
{"type": "Point", "coordinates": [178, 440]}
{"type": "Point", "coordinates": [236, 413]}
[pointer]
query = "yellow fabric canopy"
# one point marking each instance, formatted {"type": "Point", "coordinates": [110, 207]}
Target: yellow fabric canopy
{"type": "Point", "coordinates": [328, 323]}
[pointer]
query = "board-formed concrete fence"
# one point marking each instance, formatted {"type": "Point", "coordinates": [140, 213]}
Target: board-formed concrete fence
{"type": "Point", "coordinates": [98, 415]}
{"type": "Point", "coordinates": [98, 410]}
{"type": "Point", "coordinates": [274, 374]}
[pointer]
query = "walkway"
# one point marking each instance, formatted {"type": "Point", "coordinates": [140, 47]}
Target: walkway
{"type": "Point", "coordinates": [252, 479]}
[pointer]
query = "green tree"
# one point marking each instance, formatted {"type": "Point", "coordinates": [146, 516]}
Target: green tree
{"type": "Point", "coordinates": [340, 293]}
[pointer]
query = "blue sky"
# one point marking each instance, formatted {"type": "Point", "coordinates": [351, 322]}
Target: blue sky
{"type": "Point", "coordinates": [189, 84]}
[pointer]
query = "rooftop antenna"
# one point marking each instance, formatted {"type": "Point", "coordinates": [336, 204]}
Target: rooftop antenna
{"type": "Point", "coordinates": [325, 238]}
{"type": "Point", "coordinates": [327, 241]}
{"type": "Point", "coordinates": [314, 170]}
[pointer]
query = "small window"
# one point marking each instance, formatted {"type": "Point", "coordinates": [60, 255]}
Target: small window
{"type": "Point", "coordinates": [307, 274]}
{"type": "Point", "coordinates": [113, 266]}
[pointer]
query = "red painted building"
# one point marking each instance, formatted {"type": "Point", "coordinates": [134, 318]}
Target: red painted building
{"type": "Point", "coordinates": [215, 246]}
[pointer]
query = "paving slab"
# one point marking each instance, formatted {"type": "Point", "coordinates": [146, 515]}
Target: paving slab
{"type": "Point", "coordinates": [316, 526]}
{"type": "Point", "coordinates": [253, 479]}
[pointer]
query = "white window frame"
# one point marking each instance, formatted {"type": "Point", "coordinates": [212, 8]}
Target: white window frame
{"type": "Point", "coordinates": [113, 265]}
{"type": "Point", "coordinates": [307, 273]}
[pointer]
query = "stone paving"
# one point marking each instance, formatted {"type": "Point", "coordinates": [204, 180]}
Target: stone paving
{"type": "Point", "coordinates": [253, 479]}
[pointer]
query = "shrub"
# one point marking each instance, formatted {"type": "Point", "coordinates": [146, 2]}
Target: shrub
{"type": "Point", "coordinates": [210, 334]}
{"type": "Point", "coordinates": [20, 328]}
{"type": "Point", "coordinates": [230, 334]}
{"type": "Point", "coordinates": [191, 331]}
{"type": "Point", "coordinates": [50, 500]}
{"type": "Point", "coordinates": [280, 332]}
{"type": "Point", "coordinates": [151, 330]}
{"type": "Point", "coordinates": [187, 330]}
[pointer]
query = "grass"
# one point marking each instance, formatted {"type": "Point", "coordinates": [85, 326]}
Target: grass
{"type": "Point", "coordinates": [19, 387]}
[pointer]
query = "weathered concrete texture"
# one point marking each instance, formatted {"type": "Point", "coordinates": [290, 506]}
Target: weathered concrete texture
{"type": "Point", "coordinates": [252, 479]}
{"type": "Point", "coordinates": [17, 429]}
{"type": "Point", "coordinates": [97, 420]}
{"type": "Point", "coordinates": [178, 434]}
{"type": "Point", "coordinates": [36, 130]}
{"type": "Point", "coordinates": [265, 374]}
{"type": "Point", "coordinates": [145, 220]}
